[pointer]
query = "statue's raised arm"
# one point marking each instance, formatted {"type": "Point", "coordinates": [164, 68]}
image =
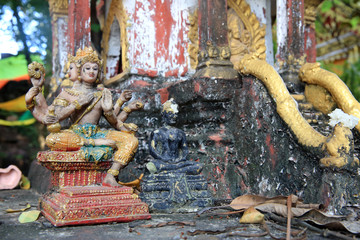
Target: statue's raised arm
{"type": "Point", "coordinates": [34, 99]}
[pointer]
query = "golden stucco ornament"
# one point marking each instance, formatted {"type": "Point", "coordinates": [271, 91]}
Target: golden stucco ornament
{"type": "Point", "coordinates": [311, 73]}
{"type": "Point", "coordinates": [285, 104]}
{"type": "Point", "coordinates": [36, 70]}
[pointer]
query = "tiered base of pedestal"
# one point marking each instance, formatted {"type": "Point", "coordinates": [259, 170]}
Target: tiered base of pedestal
{"type": "Point", "coordinates": [175, 192]}
{"type": "Point", "coordinates": [93, 204]}
{"type": "Point", "coordinates": [72, 169]}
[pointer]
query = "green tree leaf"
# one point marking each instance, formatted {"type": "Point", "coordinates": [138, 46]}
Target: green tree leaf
{"type": "Point", "coordinates": [326, 6]}
{"type": "Point", "coordinates": [29, 216]}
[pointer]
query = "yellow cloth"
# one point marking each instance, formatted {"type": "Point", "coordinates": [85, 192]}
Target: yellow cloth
{"type": "Point", "coordinates": [15, 105]}
{"type": "Point", "coordinates": [17, 123]}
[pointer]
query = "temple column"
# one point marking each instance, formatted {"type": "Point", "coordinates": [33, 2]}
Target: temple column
{"type": "Point", "coordinates": [59, 21]}
{"type": "Point", "coordinates": [214, 51]}
{"type": "Point", "coordinates": [310, 38]}
{"type": "Point", "coordinates": [290, 36]}
{"type": "Point", "coordinates": [79, 30]}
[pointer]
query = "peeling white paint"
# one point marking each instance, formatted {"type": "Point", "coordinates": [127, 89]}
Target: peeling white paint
{"type": "Point", "coordinates": [281, 24]}
{"type": "Point", "coordinates": [262, 10]}
{"type": "Point", "coordinates": [141, 34]}
{"type": "Point", "coordinates": [63, 40]}
{"type": "Point", "coordinates": [142, 31]}
{"type": "Point", "coordinates": [113, 54]}
{"type": "Point", "coordinates": [264, 185]}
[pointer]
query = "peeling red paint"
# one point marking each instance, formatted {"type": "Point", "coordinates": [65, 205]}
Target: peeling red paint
{"type": "Point", "coordinates": [197, 87]}
{"type": "Point", "coordinates": [254, 95]}
{"type": "Point", "coordinates": [150, 73]}
{"type": "Point", "coordinates": [163, 24]}
{"type": "Point", "coordinates": [295, 10]}
{"type": "Point", "coordinates": [179, 46]}
{"type": "Point", "coordinates": [310, 44]}
{"type": "Point", "coordinates": [162, 43]}
{"type": "Point", "coordinates": [264, 12]}
{"type": "Point", "coordinates": [216, 138]}
{"type": "Point", "coordinates": [258, 123]}
{"type": "Point", "coordinates": [164, 94]}
{"type": "Point", "coordinates": [172, 73]}
{"type": "Point", "coordinates": [222, 129]}
{"type": "Point", "coordinates": [79, 27]}
{"type": "Point", "coordinates": [325, 195]}
{"type": "Point", "coordinates": [271, 150]}
{"type": "Point", "coordinates": [243, 185]}
{"type": "Point", "coordinates": [140, 83]}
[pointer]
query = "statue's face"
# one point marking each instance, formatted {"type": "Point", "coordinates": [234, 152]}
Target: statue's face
{"type": "Point", "coordinates": [170, 117]}
{"type": "Point", "coordinates": [72, 72]}
{"type": "Point", "coordinates": [89, 72]}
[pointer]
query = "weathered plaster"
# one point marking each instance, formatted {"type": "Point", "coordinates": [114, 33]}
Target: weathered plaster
{"type": "Point", "coordinates": [158, 39]}
{"type": "Point", "coordinates": [262, 10]}
{"type": "Point", "coordinates": [63, 44]}
{"type": "Point", "coordinates": [113, 54]}
{"type": "Point", "coordinates": [281, 26]}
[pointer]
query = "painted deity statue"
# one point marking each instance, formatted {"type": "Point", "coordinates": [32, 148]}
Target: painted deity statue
{"type": "Point", "coordinates": [84, 105]}
{"type": "Point", "coordinates": [168, 145]}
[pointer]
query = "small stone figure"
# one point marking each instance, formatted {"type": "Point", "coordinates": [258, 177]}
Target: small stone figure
{"type": "Point", "coordinates": [174, 183]}
{"type": "Point", "coordinates": [168, 146]}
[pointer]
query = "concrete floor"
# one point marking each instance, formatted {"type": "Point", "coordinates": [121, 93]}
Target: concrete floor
{"type": "Point", "coordinates": [10, 228]}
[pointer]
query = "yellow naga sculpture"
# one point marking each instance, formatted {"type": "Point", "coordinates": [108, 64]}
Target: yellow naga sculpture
{"type": "Point", "coordinates": [339, 144]}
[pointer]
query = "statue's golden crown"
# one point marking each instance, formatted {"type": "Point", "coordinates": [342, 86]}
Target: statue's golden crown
{"type": "Point", "coordinates": [170, 106]}
{"type": "Point", "coordinates": [86, 55]}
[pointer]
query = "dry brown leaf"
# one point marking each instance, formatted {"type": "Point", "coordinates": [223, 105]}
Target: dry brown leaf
{"type": "Point", "coordinates": [280, 209]}
{"type": "Point", "coordinates": [251, 215]}
{"type": "Point", "coordinates": [248, 200]}
{"type": "Point", "coordinates": [28, 206]}
{"type": "Point", "coordinates": [334, 222]}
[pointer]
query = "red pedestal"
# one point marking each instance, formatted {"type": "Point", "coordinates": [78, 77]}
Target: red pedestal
{"type": "Point", "coordinates": [72, 169]}
{"type": "Point", "coordinates": [80, 198]}
{"type": "Point", "coordinates": [93, 204]}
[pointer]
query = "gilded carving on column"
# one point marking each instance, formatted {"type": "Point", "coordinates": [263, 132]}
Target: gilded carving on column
{"type": "Point", "coordinates": [193, 35]}
{"type": "Point", "coordinates": [246, 35]}
{"type": "Point", "coordinates": [310, 12]}
{"type": "Point", "coordinates": [117, 11]}
{"type": "Point", "coordinates": [58, 7]}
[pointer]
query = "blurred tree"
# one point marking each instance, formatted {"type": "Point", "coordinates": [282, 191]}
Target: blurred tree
{"type": "Point", "coordinates": [339, 20]}
{"type": "Point", "coordinates": [31, 26]}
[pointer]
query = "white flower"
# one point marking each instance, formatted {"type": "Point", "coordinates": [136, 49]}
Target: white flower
{"type": "Point", "coordinates": [338, 116]}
